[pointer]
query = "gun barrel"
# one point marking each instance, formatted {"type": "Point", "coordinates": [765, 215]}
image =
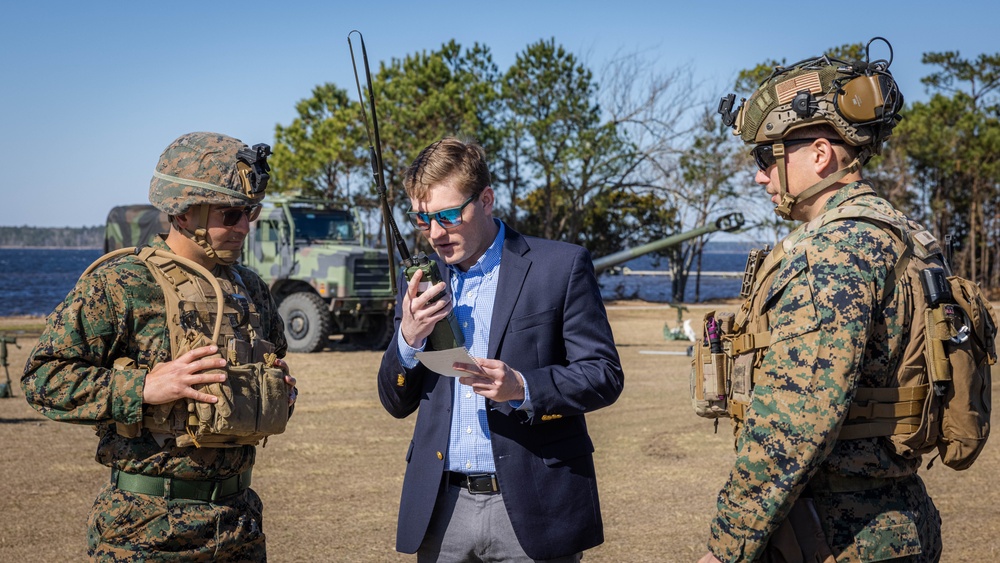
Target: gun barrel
{"type": "Point", "coordinates": [728, 223]}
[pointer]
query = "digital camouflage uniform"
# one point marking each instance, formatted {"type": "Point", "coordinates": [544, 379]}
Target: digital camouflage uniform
{"type": "Point", "coordinates": [118, 311]}
{"type": "Point", "coordinates": [837, 323]}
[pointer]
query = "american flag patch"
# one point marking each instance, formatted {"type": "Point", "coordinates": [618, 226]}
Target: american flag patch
{"type": "Point", "coordinates": [787, 89]}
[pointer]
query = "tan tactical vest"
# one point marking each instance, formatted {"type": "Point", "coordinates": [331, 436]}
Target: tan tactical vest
{"type": "Point", "coordinates": [253, 400]}
{"type": "Point", "coordinates": [941, 394]}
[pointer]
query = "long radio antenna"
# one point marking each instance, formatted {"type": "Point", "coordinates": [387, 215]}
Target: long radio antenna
{"type": "Point", "coordinates": [375, 155]}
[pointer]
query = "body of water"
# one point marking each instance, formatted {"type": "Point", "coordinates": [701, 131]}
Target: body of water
{"type": "Point", "coordinates": [34, 280]}
{"type": "Point", "coordinates": [658, 288]}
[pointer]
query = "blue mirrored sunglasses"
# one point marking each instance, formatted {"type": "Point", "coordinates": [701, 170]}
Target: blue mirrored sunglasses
{"type": "Point", "coordinates": [447, 218]}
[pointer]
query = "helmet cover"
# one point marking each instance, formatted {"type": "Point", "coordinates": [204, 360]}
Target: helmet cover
{"type": "Point", "coordinates": [203, 168]}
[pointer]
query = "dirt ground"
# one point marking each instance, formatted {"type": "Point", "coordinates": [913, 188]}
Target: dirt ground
{"type": "Point", "coordinates": [331, 483]}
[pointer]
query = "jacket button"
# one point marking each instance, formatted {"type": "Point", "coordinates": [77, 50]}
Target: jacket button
{"type": "Point", "coordinates": [440, 455]}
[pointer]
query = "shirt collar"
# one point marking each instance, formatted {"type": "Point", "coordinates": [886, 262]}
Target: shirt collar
{"type": "Point", "coordinates": [160, 241]}
{"type": "Point", "coordinates": [489, 261]}
{"type": "Point", "coordinates": [848, 192]}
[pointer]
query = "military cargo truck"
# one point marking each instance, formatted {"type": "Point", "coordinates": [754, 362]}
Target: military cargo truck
{"type": "Point", "coordinates": [311, 254]}
{"type": "Point", "coordinates": [133, 225]}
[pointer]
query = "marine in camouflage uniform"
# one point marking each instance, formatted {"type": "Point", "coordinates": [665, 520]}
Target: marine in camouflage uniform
{"type": "Point", "coordinates": [206, 510]}
{"type": "Point", "coordinates": [836, 322]}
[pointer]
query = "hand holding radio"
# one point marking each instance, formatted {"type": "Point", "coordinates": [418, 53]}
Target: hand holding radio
{"type": "Point", "coordinates": [422, 308]}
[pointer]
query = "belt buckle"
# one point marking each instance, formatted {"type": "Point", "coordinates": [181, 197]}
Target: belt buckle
{"type": "Point", "coordinates": [488, 479]}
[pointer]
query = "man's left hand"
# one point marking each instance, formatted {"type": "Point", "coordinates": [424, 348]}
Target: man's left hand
{"type": "Point", "coordinates": [493, 379]}
{"type": "Point", "coordinates": [709, 558]}
{"type": "Point", "coordinates": [293, 392]}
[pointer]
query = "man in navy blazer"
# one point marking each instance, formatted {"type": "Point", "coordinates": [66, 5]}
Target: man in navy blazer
{"type": "Point", "coordinates": [500, 466]}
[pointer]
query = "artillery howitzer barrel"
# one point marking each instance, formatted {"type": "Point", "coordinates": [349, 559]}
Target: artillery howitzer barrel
{"type": "Point", "coordinates": [728, 223]}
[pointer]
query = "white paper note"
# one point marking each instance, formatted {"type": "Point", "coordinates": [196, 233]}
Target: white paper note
{"type": "Point", "coordinates": [440, 361]}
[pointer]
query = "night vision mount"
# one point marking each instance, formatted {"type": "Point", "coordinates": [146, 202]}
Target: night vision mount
{"type": "Point", "coordinates": [726, 109]}
{"type": "Point", "coordinates": [253, 168]}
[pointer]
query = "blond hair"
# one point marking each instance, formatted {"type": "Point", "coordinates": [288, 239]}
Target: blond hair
{"type": "Point", "coordinates": [460, 162]}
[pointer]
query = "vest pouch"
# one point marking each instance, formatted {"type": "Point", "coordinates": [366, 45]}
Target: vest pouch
{"type": "Point", "coordinates": [921, 439]}
{"type": "Point", "coordinates": [970, 298]}
{"type": "Point", "coordinates": [938, 331]}
{"type": "Point", "coordinates": [741, 381]}
{"type": "Point", "coordinates": [708, 376]}
{"type": "Point", "coordinates": [240, 352]}
{"type": "Point", "coordinates": [965, 420]}
{"type": "Point", "coordinates": [273, 401]}
{"type": "Point", "coordinates": [263, 351]}
{"type": "Point", "coordinates": [243, 397]}
{"type": "Point", "coordinates": [236, 411]}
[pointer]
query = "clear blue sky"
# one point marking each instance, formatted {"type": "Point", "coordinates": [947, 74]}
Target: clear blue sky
{"type": "Point", "coordinates": [91, 92]}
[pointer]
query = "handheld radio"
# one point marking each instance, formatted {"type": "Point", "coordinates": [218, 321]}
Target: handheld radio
{"type": "Point", "coordinates": [446, 334]}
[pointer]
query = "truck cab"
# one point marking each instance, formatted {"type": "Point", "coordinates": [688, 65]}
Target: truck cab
{"type": "Point", "coordinates": [312, 254]}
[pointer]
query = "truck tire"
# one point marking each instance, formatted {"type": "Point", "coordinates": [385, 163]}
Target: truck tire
{"type": "Point", "coordinates": [378, 334]}
{"type": "Point", "coordinates": [307, 322]}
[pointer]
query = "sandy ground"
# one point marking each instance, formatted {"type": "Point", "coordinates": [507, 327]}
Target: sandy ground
{"type": "Point", "coordinates": [331, 483]}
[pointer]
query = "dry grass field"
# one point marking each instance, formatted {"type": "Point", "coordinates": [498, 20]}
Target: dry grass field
{"type": "Point", "coordinates": [331, 483]}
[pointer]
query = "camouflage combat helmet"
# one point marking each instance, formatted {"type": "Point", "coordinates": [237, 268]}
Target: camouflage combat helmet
{"type": "Point", "coordinates": [209, 168]}
{"type": "Point", "coordinates": [199, 170]}
{"type": "Point", "coordinates": [859, 100]}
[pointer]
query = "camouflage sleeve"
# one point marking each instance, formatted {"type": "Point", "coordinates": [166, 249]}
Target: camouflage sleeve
{"type": "Point", "coordinates": [69, 375]}
{"type": "Point", "coordinates": [820, 308]}
{"type": "Point", "coordinates": [277, 327]}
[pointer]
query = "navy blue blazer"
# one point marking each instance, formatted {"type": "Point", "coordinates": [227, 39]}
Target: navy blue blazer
{"type": "Point", "coordinates": [549, 323]}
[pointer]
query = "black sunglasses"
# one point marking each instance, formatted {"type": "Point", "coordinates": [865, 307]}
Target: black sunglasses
{"type": "Point", "coordinates": [232, 216]}
{"type": "Point", "coordinates": [447, 218]}
{"type": "Point", "coordinates": [763, 155]}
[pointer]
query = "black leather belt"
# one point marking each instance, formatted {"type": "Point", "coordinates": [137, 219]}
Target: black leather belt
{"type": "Point", "coordinates": [479, 484]}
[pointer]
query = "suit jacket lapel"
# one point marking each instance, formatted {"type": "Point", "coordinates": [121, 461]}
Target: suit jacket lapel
{"type": "Point", "coordinates": [513, 269]}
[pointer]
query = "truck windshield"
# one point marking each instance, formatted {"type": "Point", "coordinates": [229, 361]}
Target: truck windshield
{"type": "Point", "coordinates": [323, 224]}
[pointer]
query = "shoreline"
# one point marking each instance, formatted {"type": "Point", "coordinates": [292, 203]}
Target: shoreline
{"type": "Point", "coordinates": [5, 247]}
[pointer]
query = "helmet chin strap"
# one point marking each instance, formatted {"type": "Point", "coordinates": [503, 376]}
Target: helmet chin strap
{"type": "Point", "coordinates": [200, 237]}
{"type": "Point", "coordinates": [784, 207]}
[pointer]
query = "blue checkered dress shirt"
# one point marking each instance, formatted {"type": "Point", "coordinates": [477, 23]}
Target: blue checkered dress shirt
{"type": "Point", "coordinates": [473, 293]}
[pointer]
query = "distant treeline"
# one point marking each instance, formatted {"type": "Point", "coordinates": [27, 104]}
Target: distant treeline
{"type": "Point", "coordinates": [52, 237]}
